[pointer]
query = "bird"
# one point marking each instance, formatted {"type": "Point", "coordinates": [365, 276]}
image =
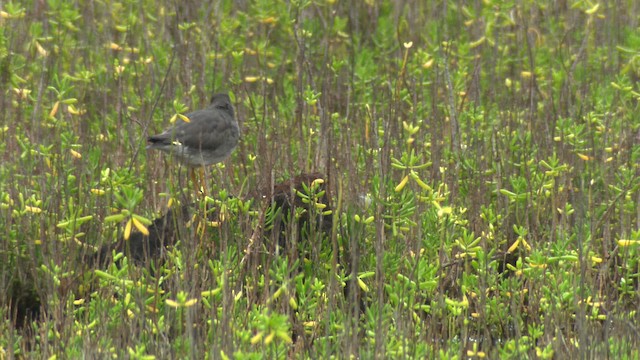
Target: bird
{"type": "Point", "coordinates": [208, 137]}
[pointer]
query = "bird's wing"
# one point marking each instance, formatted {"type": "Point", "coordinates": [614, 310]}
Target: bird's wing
{"type": "Point", "coordinates": [206, 130]}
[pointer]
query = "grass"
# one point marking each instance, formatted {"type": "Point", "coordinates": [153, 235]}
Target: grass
{"type": "Point", "coordinates": [480, 166]}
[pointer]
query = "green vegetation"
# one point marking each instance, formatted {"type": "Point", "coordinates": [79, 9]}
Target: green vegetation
{"type": "Point", "coordinates": [482, 179]}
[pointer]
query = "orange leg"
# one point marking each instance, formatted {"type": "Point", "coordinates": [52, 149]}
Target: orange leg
{"type": "Point", "coordinates": [198, 181]}
{"type": "Point", "coordinates": [201, 191]}
{"type": "Point", "coordinates": [194, 181]}
{"type": "Point", "coordinates": [204, 183]}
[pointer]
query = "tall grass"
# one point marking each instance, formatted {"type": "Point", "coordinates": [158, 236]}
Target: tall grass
{"type": "Point", "coordinates": [480, 166]}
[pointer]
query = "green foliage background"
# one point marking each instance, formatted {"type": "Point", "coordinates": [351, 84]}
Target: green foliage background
{"type": "Point", "coordinates": [482, 161]}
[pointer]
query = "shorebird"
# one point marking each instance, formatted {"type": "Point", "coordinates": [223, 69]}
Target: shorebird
{"type": "Point", "coordinates": [209, 137]}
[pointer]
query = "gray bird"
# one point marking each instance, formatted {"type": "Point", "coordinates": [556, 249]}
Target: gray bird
{"type": "Point", "coordinates": [208, 138]}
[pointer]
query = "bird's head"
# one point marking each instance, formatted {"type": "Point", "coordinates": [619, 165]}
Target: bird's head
{"type": "Point", "coordinates": [223, 102]}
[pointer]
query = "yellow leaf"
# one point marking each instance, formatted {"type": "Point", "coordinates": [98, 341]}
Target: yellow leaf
{"type": "Point", "coordinates": [419, 181]}
{"type": "Point", "coordinates": [477, 42]}
{"type": "Point", "coordinates": [190, 302]}
{"type": "Point", "coordinates": [624, 243]}
{"type": "Point", "coordinates": [584, 157]}
{"type": "Point", "coordinates": [184, 118]}
{"type": "Point", "coordinates": [75, 154]}
{"type": "Point", "coordinates": [320, 206]}
{"type": "Point", "coordinates": [33, 209]}
{"type": "Point", "coordinates": [172, 303]}
{"type": "Point", "coordinates": [42, 51]}
{"type": "Point", "coordinates": [593, 9]}
{"type": "Point", "coordinates": [270, 20]}
{"type": "Point", "coordinates": [256, 338]}
{"type": "Point", "coordinates": [513, 246]}
{"type": "Point", "coordinates": [211, 292]}
{"type": "Point", "coordinates": [127, 229]}
{"type": "Point", "coordinates": [22, 93]}
{"type": "Point", "coordinates": [140, 226]}
{"type": "Point", "coordinates": [362, 285]}
{"type": "Point", "coordinates": [269, 338]}
{"type": "Point", "coordinates": [54, 111]}
{"type": "Point", "coordinates": [538, 266]}
{"type": "Point", "coordinates": [445, 210]}
{"type": "Point", "coordinates": [402, 183]}
{"type": "Point", "coordinates": [284, 336]}
{"type": "Point", "coordinates": [508, 82]}
{"type": "Point", "coordinates": [428, 64]}
{"type": "Point", "coordinates": [75, 111]}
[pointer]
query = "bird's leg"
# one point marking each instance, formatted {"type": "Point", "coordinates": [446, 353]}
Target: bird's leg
{"type": "Point", "coordinates": [202, 187]}
{"type": "Point", "coordinates": [200, 200]}
{"type": "Point", "coordinates": [194, 181]}
{"type": "Point", "coordinates": [204, 182]}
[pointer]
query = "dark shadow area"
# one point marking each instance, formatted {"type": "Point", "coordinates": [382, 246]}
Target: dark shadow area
{"type": "Point", "coordinates": [163, 232]}
{"type": "Point", "coordinates": [23, 302]}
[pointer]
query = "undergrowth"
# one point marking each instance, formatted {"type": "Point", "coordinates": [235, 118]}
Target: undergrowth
{"type": "Point", "coordinates": [469, 184]}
